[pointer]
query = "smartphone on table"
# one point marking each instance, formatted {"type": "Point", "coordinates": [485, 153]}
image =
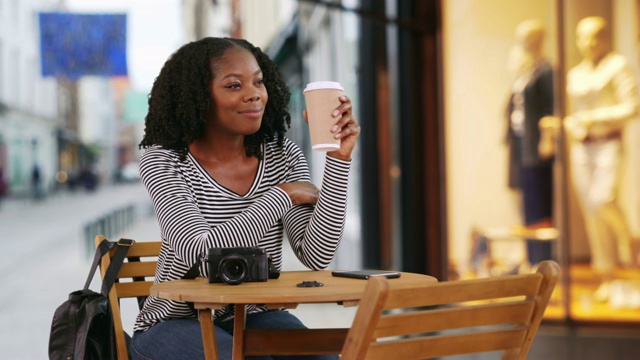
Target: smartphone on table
{"type": "Point", "coordinates": [365, 274]}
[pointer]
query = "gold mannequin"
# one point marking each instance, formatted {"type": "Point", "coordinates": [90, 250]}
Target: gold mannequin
{"type": "Point", "coordinates": [602, 95]}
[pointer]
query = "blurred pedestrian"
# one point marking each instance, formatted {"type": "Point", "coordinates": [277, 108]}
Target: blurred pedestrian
{"type": "Point", "coordinates": [36, 178]}
{"type": "Point", "coordinates": [3, 185]}
{"type": "Point", "coordinates": [88, 179]}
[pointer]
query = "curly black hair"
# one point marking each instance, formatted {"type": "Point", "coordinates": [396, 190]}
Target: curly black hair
{"type": "Point", "coordinates": [181, 95]}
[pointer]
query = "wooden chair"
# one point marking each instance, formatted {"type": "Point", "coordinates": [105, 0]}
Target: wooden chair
{"type": "Point", "coordinates": [133, 281]}
{"type": "Point", "coordinates": [451, 317]}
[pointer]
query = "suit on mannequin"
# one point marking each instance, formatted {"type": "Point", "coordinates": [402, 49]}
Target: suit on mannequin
{"type": "Point", "coordinates": [602, 95]}
{"type": "Point", "coordinates": [532, 98]}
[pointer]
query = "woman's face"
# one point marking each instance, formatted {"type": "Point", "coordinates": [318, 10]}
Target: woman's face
{"type": "Point", "coordinates": [238, 93]}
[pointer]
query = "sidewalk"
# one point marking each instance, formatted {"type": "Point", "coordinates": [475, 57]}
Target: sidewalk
{"type": "Point", "coordinates": [45, 258]}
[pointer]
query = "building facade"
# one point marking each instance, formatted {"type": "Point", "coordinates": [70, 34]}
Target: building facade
{"type": "Point", "coordinates": [30, 106]}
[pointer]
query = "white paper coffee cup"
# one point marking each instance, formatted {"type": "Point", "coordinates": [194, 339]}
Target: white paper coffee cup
{"type": "Point", "coordinates": [322, 98]}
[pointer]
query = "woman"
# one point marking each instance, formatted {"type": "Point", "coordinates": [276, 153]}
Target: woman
{"type": "Point", "coordinates": [221, 173]}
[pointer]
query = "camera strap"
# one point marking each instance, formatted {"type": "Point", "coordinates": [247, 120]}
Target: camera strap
{"type": "Point", "coordinates": [193, 273]}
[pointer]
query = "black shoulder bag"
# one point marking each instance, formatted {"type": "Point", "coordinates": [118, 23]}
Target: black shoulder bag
{"type": "Point", "coordinates": [82, 327]}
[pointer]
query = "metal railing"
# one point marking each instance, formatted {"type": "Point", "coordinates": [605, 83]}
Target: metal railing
{"type": "Point", "coordinates": [110, 225]}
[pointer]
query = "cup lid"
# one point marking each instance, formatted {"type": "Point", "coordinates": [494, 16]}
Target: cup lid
{"type": "Point", "coordinates": [323, 85]}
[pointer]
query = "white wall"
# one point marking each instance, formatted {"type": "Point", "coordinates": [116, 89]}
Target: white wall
{"type": "Point", "coordinates": [21, 85]}
{"type": "Point", "coordinates": [31, 100]}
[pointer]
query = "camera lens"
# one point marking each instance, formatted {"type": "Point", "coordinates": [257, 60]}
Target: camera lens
{"type": "Point", "coordinates": [233, 269]}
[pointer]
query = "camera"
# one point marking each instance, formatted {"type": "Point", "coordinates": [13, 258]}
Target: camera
{"type": "Point", "coordinates": [235, 265]}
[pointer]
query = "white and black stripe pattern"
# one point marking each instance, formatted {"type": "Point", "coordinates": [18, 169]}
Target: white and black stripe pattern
{"type": "Point", "coordinates": [196, 213]}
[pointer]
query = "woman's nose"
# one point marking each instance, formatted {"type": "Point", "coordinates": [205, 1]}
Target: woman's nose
{"type": "Point", "coordinates": [253, 95]}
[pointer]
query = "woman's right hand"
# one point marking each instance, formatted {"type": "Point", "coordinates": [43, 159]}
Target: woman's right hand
{"type": "Point", "coordinates": [301, 192]}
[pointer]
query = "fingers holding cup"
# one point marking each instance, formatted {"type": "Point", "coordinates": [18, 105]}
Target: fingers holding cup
{"type": "Point", "coordinates": [345, 124]}
{"type": "Point", "coordinates": [346, 129]}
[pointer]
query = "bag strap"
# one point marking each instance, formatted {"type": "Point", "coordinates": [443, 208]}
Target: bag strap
{"type": "Point", "coordinates": [102, 249]}
{"type": "Point", "coordinates": [115, 265]}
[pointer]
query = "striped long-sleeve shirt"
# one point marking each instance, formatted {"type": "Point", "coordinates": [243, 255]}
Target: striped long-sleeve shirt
{"type": "Point", "coordinates": [196, 213]}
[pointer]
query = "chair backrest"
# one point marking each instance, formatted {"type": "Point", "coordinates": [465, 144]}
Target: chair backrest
{"type": "Point", "coordinates": [395, 321]}
{"type": "Point", "coordinates": [133, 281]}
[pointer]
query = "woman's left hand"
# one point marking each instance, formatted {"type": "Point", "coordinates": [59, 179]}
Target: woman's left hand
{"type": "Point", "coordinates": [346, 129]}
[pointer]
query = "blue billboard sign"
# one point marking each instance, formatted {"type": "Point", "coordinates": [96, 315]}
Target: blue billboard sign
{"type": "Point", "coordinates": [73, 45]}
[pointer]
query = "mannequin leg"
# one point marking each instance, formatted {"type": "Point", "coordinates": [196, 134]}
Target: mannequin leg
{"type": "Point", "coordinates": [616, 221]}
{"type": "Point", "coordinates": [605, 182]}
{"type": "Point", "coordinates": [615, 238]}
{"type": "Point", "coordinates": [591, 194]}
{"type": "Point", "coordinates": [601, 243]}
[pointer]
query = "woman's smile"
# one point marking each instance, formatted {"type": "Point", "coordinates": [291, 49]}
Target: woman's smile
{"type": "Point", "coordinates": [254, 113]}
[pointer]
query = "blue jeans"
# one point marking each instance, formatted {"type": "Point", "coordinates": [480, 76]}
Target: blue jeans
{"type": "Point", "coordinates": [182, 339]}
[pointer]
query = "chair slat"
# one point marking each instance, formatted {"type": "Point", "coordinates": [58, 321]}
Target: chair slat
{"type": "Point", "coordinates": [136, 269]}
{"type": "Point", "coordinates": [143, 249]}
{"type": "Point", "coordinates": [458, 317]}
{"type": "Point", "coordinates": [465, 290]}
{"type": "Point", "coordinates": [446, 345]}
{"type": "Point", "coordinates": [133, 289]}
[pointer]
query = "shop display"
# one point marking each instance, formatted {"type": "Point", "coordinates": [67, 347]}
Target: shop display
{"type": "Point", "coordinates": [531, 99]}
{"type": "Point", "coordinates": [603, 97]}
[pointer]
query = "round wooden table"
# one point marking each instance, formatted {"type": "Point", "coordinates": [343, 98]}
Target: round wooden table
{"type": "Point", "coordinates": [275, 294]}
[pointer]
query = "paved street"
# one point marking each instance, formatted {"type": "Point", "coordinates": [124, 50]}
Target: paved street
{"type": "Point", "coordinates": [45, 257]}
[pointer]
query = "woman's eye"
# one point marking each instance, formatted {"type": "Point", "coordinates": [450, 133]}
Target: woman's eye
{"type": "Point", "coordinates": [233, 86]}
{"type": "Point", "coordinates": [260, 82]}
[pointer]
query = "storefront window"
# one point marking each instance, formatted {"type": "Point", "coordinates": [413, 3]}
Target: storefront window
{"type": "Point", "coordinates": [542, 159]}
